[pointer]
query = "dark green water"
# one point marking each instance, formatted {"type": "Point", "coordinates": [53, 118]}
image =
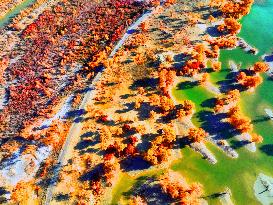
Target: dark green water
{"type": "Point", "coordinates": [238, 174]}
{"type": "Point", "coordinates": [15, 11]}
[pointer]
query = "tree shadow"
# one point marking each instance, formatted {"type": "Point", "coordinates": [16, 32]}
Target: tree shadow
{"type": "Point", "coordinates": [144, 111]}
{"type": "Point", "coordinates": [268, 58]}
{"type": "Point", "coordinates": [209, 103]}
{"type": "Point", "coordinates": [187, 85]}
{"type": "Point", "coordinates": [261, 119]}
{"type": "Point", "coordinates": [134, 163]}
{"type": "Point", "coordinates": [180, 60]}
{"type": "Point", "coordinates": [3, 198]}
{"type": "Point", "coordinates": [230, 83]}
{"type": "Point", "coordinates": [147, 83]}
{"type": "Point", "coordinates": [146, 142]}
{"type": "Point", "coordinates": [238, 144]}
{"type": "Point", "coordinates": [150, 190]}
{"type": "Point", "coordinates": [93, 175]}
{"type": "Point", "coordinates": [75, 113]}
{"type": "Point", "coordinates": [213, 31]}
{"type": "Point", "coordinates": [130, 106]}
{"type": "Point", "coordinates": [215, 14]}
{"type": "Point", "coordinates": [267, 149]}
{"type": "Point", "coordinates": [87, 142]}
{"type": "Point", "coordinates": [52, 176]}
{"type": "Point", "coordinates": [214, 124]}
{"type": "Point", "coordinates": [182, 143]}
{"type": "Point", "coordinates": [62, 197]}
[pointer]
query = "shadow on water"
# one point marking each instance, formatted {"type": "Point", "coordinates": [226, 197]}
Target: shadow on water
{"type": "Point", "coordinates": [238, 144]}
{"type": "Point", "coordinates": [187, 85]}
{"type": "Point", "coordinates": [267, 149]}
{"type": "Point", "coordinates": [149, 188]}
{"type": "Point", "coordinates": [261, 119]}
{"type": "Point", "coordinates": [214, 124]}
{"type": "Point", "coordinates": [209, 103]}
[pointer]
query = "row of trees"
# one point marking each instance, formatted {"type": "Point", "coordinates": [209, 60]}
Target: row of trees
{"type": "Point", "coordinates": [166, 79]}
{"type": "Point", "coordinates": [236, 9]}
{"type": "Point", "coordinates": [232, 97]}
{"type": "Point", "coordinates": [228, 41]}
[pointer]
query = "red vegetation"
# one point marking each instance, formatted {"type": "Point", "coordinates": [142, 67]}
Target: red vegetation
{"type": "Point", "coordinates": [192, 67]}
{"type": "Point", "coordinates": [55, 42]}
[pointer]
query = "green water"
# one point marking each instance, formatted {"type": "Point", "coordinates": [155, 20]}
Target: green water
{"type": "Point", "coordinates": [15, 11]}
{"type": "Point", "coordinates": [238, 174]}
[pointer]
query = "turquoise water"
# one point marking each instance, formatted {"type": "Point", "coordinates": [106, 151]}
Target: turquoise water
{"type": "Point", "coordinates": [238, 174]}
{"type": "Point", "coordinates": [15, 11]}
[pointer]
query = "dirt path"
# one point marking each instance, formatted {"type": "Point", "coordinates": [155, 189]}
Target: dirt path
{"type": "Point", "coordinates": [76, 128]}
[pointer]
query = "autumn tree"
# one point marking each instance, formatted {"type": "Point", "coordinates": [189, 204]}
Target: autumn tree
{"type": "Point", "coordinates": [166, 104]}
{"type": "Point", "coordinates": [216, 66]}
{"type": "Point", "coordinates": [176, 186]}
{"type": "Point", "coordinates": [238, 121]}
{"type": "Point", "coordinates": [260, 67]}
{"type": "Point", "coordinates": [249, 81]}
{"type": "Point", "coordinates": [185, 109]}
{"type": "Point", "coordinates": [230, 25]}
{"type": "Point", "coordinates": [160, 148]}
{"type": "Point", "coordinates": [204, 79]}
{"type": "Point", "coordinates": [256, 138]}
{"type": "Point", "coordinates": [197, 134]}
{"type": "Point", "coordinates": [144, 26]}
{"type": "Point", "coordinates": [228, 41]}
{"type": "Point", "coordinates": [137, 200]}
{"type": "Point", "coordinates": [236, 9]}
{"type": "Point", "coordinates": [166, 79]}
{"type": "Point", "coordinates": [111, 167]}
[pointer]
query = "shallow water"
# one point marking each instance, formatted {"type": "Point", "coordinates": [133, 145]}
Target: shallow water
{"type": "Point", "coordinates": [239, 174]}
